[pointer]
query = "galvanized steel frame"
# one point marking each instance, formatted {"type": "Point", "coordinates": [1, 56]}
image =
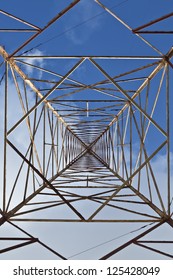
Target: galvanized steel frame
{"type": "Point", "coordinates": [77, 146]}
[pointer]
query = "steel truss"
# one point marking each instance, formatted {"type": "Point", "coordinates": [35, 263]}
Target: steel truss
{"type": "Point", "coordinates": [88, 148]}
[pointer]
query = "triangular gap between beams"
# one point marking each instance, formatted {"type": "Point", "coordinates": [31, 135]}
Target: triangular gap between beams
{"type": "Point", "coordinates": [10, 19]}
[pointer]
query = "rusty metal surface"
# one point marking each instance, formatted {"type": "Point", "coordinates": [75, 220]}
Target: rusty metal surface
{"type": "Point", "coordinates": [83, 133]}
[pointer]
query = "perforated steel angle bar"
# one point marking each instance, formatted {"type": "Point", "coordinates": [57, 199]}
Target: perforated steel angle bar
{"type": "Point", "coordinates": [44, 202]}
{"type": "Point", "coordinates": [155, 241]}
{"type": "Point", "coordinates": [141, 127]}
{"type": "Point", "coordinates": [150, 168]}
{"type": "Point", "coordinates": [105, 57]}
{"type": "Point", "coordinates": [89, 100]}
{"type": "Point", "coordinates": [153, 250]}
{"type": "Point", "coordinates": [86, 221]}
{"type": "Point", "coordinates": [5, 137]}
{"type": "Point", "coordinates": [20, 20]}
{"type": "Point", "coordinates": [122, 160]}
{"type": "Point", "coordinates": [35, 124]}
{"type": "Point", "coordinates": [52, 134]}
{"type": "Point", "coordinates": [18, 246]}
{"type": "Point", "coordinates": [27, 119]}
{"type": "Point", "coordinates": [15, 238]}
{"type": "Point", "coordinates": [22, 164]}
{"type": "Point", "coordinates": [31, 158]}
{"type": "Point", "coordinates": [100, 199]}
{"type": "Point", "coordinates": [63, 135]}
{"type": "Point", "coordinates": [153, 109]}
{"type": "Point", "coordinates": [168, 139]}
{"type": "Point", "coordinates": [19, 30]}
{"type": "Point", "coordinates": [152, 22]}
{"type": "Point", "coordinates": [155, 32]}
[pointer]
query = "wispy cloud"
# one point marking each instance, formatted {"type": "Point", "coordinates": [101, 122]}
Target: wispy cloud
{"type": "Point", "coordinates": [86, 16]}
{"type": "Point", "coordinates": [35, 61]}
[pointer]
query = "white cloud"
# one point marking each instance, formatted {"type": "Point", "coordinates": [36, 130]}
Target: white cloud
{"type": "Point", "coordinates": [86, 16]}
{"type": "Point", "coordinates": [35, 61]}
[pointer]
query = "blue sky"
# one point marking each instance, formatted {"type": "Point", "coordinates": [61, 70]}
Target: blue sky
{"type": "Point", "coordinates": [92, 30]}
{"type": "Point", "coordinates": [88, 30]}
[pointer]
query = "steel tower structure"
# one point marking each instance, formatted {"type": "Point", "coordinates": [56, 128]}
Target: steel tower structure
{"type": "Point", "coordinates": [84, 150]}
